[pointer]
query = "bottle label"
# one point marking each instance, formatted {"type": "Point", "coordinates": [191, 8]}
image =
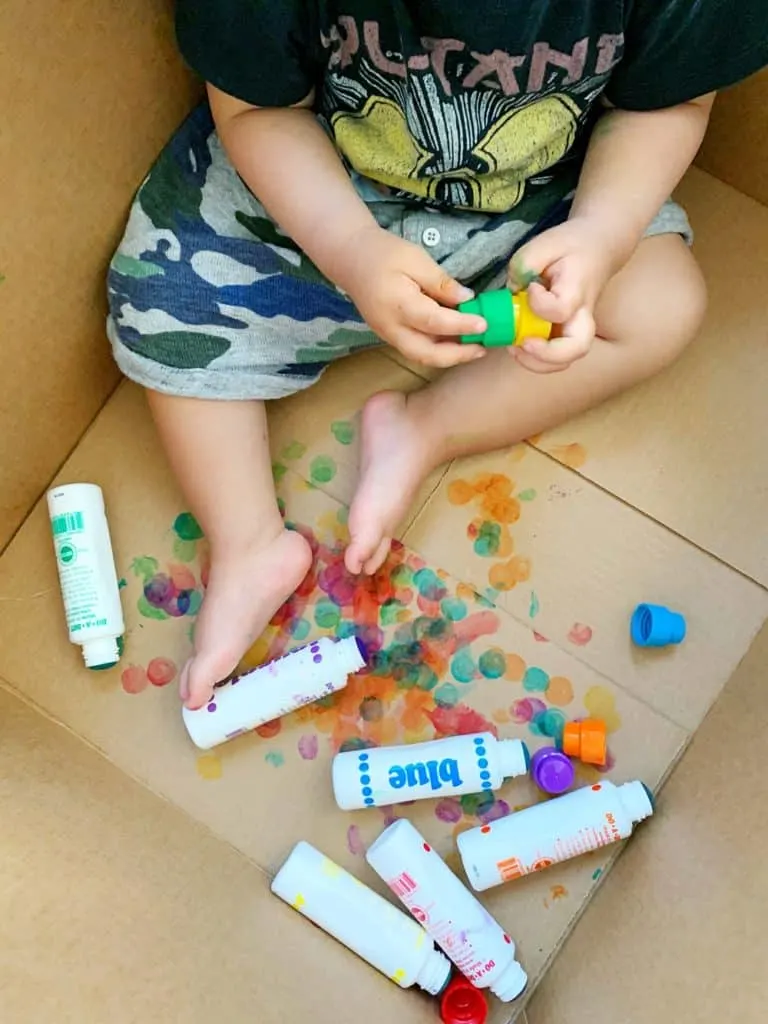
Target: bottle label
{"type": "Point", "coordinates": [78, 566]}
{"type": "Point", "coordinates": [583, 841]}
{"type": "Point", "coordinates": [434, 774]}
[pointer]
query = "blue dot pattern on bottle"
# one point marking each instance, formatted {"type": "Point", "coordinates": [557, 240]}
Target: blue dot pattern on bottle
{"type": "Point", "coordinates": [482, 763]}
{"type": "Point", "coordinates": [363, 767]}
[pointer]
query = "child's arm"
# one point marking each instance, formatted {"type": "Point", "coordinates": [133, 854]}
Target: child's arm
{"type": "Point", "coordinates": [291, 165]}
{"type": "Point", "coordinates": [634, 161]}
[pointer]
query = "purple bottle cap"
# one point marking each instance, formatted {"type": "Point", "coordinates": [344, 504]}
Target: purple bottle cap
{"type": "Point", "coordinates": [552, 771]}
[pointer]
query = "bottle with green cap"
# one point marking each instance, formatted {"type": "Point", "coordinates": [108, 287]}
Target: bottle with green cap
{"type": "Point", "coordinates": [509, 317]}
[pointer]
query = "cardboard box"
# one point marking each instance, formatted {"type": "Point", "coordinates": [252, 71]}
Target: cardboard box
{"type": "Point", "coordinates": [135, 870]}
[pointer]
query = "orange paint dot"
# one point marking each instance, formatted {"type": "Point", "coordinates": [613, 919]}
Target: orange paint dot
{"type": "Point", "coordinates": [506, 575]}
{"type": "Point", "coordinates": [597, 788]}
{"type": "Point", "coordinates": [269, 729]}
{"type": "Point", "coordinates": [460, 492]}
{"type": "Point", "coordinates": [134, 679]}
{"type": "Point", "coordinates": [182, 576]}
{"type": "Point", "coordinates": [558, 892]}
{"type": "Point", "coordinates": [485, 829]}
{"type": "Point", "coordinates": [560, 691]}
{"type": "Point", "coordinates": [501, 716]}
{"type": "Point", "coordinates": [572, 455]}
{"type": "Point", "coordinates": [515, 668]}
{"type": "Point", "coordinates": [161, 671]}
{"type": "Point", "coordinates": [501, 509]}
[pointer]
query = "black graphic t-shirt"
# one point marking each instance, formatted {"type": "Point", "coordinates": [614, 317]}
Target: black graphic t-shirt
{"type": "Point", "coordinates": [469, 104]}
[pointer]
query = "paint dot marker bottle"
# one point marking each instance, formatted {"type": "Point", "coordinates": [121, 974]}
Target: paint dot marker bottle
{"type": "Point", "coordinates": [448, 767]}
{"type": "Point", "coordinates": [509, 317]}
{"type": "Point", "coordinates": [554, 831]}
{"type": "Point", "coordinates": [361, 920]}
{"type": "Point", "coordinates": [451, 915]}
{"type": "Point", "coordinates": [87, 572]}
{"type": "Point", "coordinates": [300, 677]}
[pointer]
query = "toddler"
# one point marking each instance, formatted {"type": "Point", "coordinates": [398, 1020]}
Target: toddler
{"type": "Point", "coordinates": [359, 169]}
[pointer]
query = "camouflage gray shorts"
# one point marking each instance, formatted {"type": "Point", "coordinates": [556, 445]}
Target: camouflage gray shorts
{"type": "Point", "coordinates": [209, 299]}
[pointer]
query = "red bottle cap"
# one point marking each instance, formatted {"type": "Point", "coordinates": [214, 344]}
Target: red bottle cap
{"type": "Point", "coordinates": [462, 1003]}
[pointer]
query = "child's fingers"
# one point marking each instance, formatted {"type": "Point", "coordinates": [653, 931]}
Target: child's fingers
{"type": "Point", "coordinates": [434, 282]}
{"type": "Point", "coordinates": [577, 338]}
{"type": "Point", "coordinates": [423, 314]}
{"type": "Point", "coordinates": [561, 300]}
{"type": "Point", "coordinates": [441, 354]}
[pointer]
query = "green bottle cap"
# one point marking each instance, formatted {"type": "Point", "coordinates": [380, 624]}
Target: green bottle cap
{"type": "Point", "coordinates": [498, 311]}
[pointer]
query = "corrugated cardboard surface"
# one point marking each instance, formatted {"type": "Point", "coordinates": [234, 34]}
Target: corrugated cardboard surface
{"type": "Point", "coordinates": [736, 146]}
{"type": "Point", "coordinates": [89, 98]}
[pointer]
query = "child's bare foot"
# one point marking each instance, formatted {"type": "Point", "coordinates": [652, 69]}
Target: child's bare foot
{"type": "Point", "coordinates": [394, 460]}
{"type": "Point", "coordinates": [245, 589]}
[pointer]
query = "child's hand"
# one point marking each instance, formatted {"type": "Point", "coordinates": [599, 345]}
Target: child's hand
{"type": "Point", "coordinates": [407, 299]}
{"type": "Point", "coordinates": [565, 270]}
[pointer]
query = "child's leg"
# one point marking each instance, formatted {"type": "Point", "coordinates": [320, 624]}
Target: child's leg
{"type": "Point", "coordinates": [649, 311]}
{"type": "Point", "coordinates": [220, 455]}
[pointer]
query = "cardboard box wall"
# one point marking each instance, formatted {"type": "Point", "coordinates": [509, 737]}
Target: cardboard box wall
{"type": "Point", "coordinates": [96, 98]}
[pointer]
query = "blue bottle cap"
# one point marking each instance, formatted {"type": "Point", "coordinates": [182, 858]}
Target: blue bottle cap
{"type": "Point", "coordinates": [653, 625]}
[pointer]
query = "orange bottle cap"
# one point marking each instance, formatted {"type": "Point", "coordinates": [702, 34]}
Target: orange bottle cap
{"type": "Point", "coordinates": [586, 740]}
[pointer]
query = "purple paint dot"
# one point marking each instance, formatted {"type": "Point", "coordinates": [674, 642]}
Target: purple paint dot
{"type": "Point", "coordinates": [449, 810]}
{"type": "Point", "coordinates": [317, 659]}
{"type": "Point", "coordinates": [211, 706]}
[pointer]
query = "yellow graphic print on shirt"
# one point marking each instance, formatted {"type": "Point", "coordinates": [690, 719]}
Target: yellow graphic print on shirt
{"type": "Point", "coordinates": [525, 141]}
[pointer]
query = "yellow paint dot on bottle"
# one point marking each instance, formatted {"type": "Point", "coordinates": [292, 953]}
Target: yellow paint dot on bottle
{"type": "Point", "coordinates": [330, 868]}
{"type": "Point", "coordinates": [299, 901]}
{"type": "Point", "coordinates": [399, 976]}
{"type": "Point", "coordinates": [209, 767]}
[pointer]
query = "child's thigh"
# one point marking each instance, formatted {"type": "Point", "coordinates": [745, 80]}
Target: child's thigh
{"type": "Point", "coordinates": [207, 297]}
{"type": "Point", "coordinates": [655, 305]}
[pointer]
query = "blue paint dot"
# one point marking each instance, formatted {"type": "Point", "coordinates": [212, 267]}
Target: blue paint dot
{"type": "Point", "coordinates": [367, 791]}
{"type": "Point", "coordinates": [485, 775]}
{"type": "Point", "coordinates": [482, 763]}
{"type": "Point", "coordinates": [368, 801]}
{"type": "Point", "coordinates": [479, 741]}
{"type": "Point", "coordinates": [480, 751]}
{"type": "Point", "coordinates": [365, 779]}
{"type": "Point", "coordinates": [486, 785]}
{"type": "Point", "coordinates": [363, 757]}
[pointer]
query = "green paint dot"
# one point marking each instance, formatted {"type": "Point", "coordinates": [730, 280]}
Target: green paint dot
{"type": "Point", "coordinates": [446, 695]}
{"type": "Point", "coordinates": [402, 576]}
{"type": "Point", "coordinates": [281, 507]}
{"type": "Point", "coordinates": [535, 680]}
{"type": "Point", "coordinates": [122, 583]}
{"type": "Point", "coordinates": [389, 611]}
{"type": "Point", "coordinates": [300, 629]}
{"type": "Point", "coordinates": [187, 527]}
{"type": "Point", "coordinates": [184, 550]}
{"type": "Point", "coordinates": [322, 469]}
{"type": "Point", "coordinates": [294, 450]}
{"type": "Point", "coordinates": [275, 758]}
{"type": "Point", "coordinates": [148, 611]}
{"type": "Point", "coordinates": [533, 607]}
{"type": "Point", "coordinates": [343, 431]}
{"type": "Point", "coordinates": [453, 608]}
{"type": "Point", "coordinates": [476, 803]}
{"type": "Point", "coordinates": [327, 614]}
{"type": "Point", "coordinates": [528, 495]}
{"type": "Point", "coordinates": [426, 678]}
{"type": "Point", "coordinates": [279, 470]}
{"type": "Point", "coordinates": [493, 663]}
{"type": "Point", "coordinates": [596, 874]}
{"type": "Point", "coordinates": [463, 668]}
{"type": "Point", "coordinates": [488, 539]}
{"type": "Point", "coordinates": [144, 567]}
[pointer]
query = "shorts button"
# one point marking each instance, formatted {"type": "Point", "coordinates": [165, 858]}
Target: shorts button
{"type": "Point", "coordinates": [431, 237]}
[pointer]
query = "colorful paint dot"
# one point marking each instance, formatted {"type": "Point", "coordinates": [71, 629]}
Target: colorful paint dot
{"type": "Point", "coordinates": [506, 575]}
{"type": "Point", "coordinates": [560, 691]}
{"type": "Point", "coordinates": [498, 809]}
{"type": "Point", "coordinates": [275, 758]}
{"type": "Point", "coordinates": [493, 663]}
{"type": "Point", "coordinates": [487, 539]}
{"type": "Point", "coordinates": [327, 614]}
{"type": "Point", "coordinates": [343, 431]}
{"type": "Point", "coordinates": [279, 469]}
{"type": "Point", "coordinates": [579, 634]}
{"type": "Point", "coordinates": [308, 746]}
{"type": "Point", "coordinates": [134, 679]}
{"type": "Point", "coordinates": [429, 584]}
{"type": "Point", "coordinates": [535, 680]}
{"type": "Point", "coordinates": [596, 874]}
{"type": "Point", "coordinates": [184, 550]}
{"type": "Point", "coordinates": [161, 671]}
{"type": "Point", "coordinates": [476, 804]}
{"type": "Point", "coordinates": [371, 709]}
{"type": "Point", "coordinates": [446, 695]}
{"type": "Point", "coordinates": [209, 767]}
{"type": "Point", "coordinates": [550, 723]}
{"type": "Point", "coordinates": [187, 527]}
{"type": "Point", "coordinates": [322, 469]}
{"type": "Point", "coordinates": [122, 583]}
{"type": "Point", "coordinates": [449, 811]}
{"type": "Point", "coordinates": [293, 450]}
{"type": "Point", "coordinates": [269, 730]}
{"type": "Point", "coordinates": [526, 708]}
{"type": "Point", "coordinates": [533, 606]}
{"type": "Point", "coordinates": [571, 455]}
{"type": "Point", "coordinates": [355, 843]}
{"type": "Point", "coordinates": [600, 703]}
{"type": "Point", "coordinates": [144, 567]}
{"type": "Point", "coordinates": [453, 608]}
{"type": "Point", "coordinates": [527, 495]}
{"type": "Point", "coordinates": [300, 628]}
{"type": "Point", "coordinates": [515, 669]}
{"type": "Point", "coordinates": [463, 667]}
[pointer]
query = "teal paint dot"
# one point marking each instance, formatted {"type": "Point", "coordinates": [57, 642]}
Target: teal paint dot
{"type": "Point", "coordinates": [488, 539]}
{"type": "Point", "coordinates": [446, 695]}
{"type": "Point", "coordinates": [453, 608]}
{"type": "Point", "coordinates": [345, 629]}
{"type": "Point", "coordinates": [122, 583]}
{"type": "Point", "coordinates": [195, 601]}
{"type": "Point", "coordinates": [493, 663]}
{"type": "Point", "coordinates": [322, 469]}
{"type": "Point", "coordinates": [552, 723]}
{"type": "Point", "coordinates": [429, 584]}
{"type": "Point", "coordinates": [426, 678]}
{"type": "Point", "coordinates": [596, 874]}
{"type": "Point", "coordinates": [300, 629]}
{"type": "Point", "coordinates": [533, 607]}
{"type": "Point", "coordinates": [474, 804]}
{"type": "Point", "coordinates": [535, 680]}
{"type": "Point", "coordinates": [463, 668]}
{"type": "Point", "coordinates": [343, 431]}
{"type": "Point", "coordinates": [528, 495]}
{"type": "Point", "coordinates": [327, 614]}
{"type": "Point", "coordinates": [187, 527]}
{"type": "Point", "coordinates": [275, 758]}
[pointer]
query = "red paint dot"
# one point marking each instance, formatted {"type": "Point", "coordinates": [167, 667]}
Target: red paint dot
{"type": "Point", "coordinates": [508, 940]}
{"type": "Point", "coordinates": [134, 679]}
{"type": "Point", "coordinates": [597, 788]}
{"type": "Point", "coordinates": [485, 829]}
{"type": "Point", "coordinates": [161, 671]}
{"type": "Point", "coordinates": [269, 729]}
{"type": "Point", "coordinates": [427, 847]}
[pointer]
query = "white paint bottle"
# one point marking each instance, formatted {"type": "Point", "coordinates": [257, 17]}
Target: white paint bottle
{"type": "Point", "coordinates": [300, 677]}
{"type": "Point", "coordinates": [448, 767]}
{"type": "Point", "coordinates": [556, 830]}
{"type": "Point", "coordinates": [361, 920]}
{"type": "Point", "coordinates": [448, 911]}
{"type": "Point", "coordinates": [87, 572]}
